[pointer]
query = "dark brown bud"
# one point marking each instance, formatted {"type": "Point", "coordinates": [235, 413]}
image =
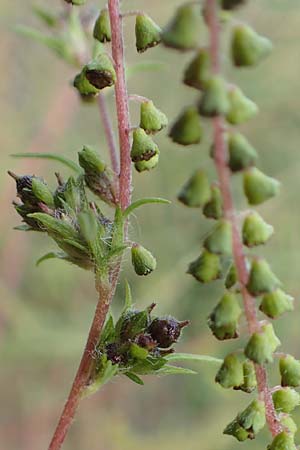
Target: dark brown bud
{"type": "Point", "coordinates": [166, 331]}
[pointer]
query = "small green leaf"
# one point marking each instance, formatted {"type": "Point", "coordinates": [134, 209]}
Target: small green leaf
{"type": "Point", "coordinates": [144, 201]}
{"type": "Point", "coordinates": [50, 255]}
{"type": "Point", "coordinates": [133, 377]}
{"type": "Point", "coordinates": [106, 374]}
{"type": "Point", "coordinates": [174, 370]}
{"type": "Point", "coordinates": [76, 245]}
{"type": "Point", "coordinates": [128, 297]}
{"type": "Point", "coordinates": [108, 332]}
{"type": "Point", "coordinates": [51, 156]}
{"type": "Point", "coordinates": [190, 357]}
{"type": "Point", "coordinates": [45, 16]}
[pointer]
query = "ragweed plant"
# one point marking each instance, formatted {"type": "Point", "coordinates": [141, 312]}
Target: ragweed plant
{"type": "Point", "coordinates": [138, 342]}
{"type": "Point", "coordinates": [248, 279]}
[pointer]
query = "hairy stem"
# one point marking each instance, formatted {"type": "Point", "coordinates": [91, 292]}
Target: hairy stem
{"type": "Point", "coordinates": [223, 172]}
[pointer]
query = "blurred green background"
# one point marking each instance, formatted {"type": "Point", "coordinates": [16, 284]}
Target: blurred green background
{"type": "Point", "coordinates": [46, 311]}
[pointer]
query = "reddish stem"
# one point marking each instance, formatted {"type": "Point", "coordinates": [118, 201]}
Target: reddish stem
{"type": "Point", "coordinates": [223, 172]}
{"type": "Point", "coordinates": [121, 102]}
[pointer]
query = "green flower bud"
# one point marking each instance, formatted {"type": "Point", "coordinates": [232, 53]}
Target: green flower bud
{"type": "Point", "coordinates": [258, 187]}
{"type": "Point", "coordinates": [253, 419]}
{"type": "Point", "coordinates": [223, 321]}
{"type": "Point", "coordinates": [241, 153]}
{"type": "Point", "coordinates": [261, 279]}
{"type": "Point", "coordinates": [231, 277]}
{"type": "Point", "coordinates": [152, 119]}
{"type": "Point", "coordinates": [86, 90]}
{"type": "Point", "coordinates": [99, 177]}
{"type": "Point", "coordinates": [88, 225]}
{"type": "Point", "coordinates": [285, 400]}
{"type": "Point", "coordinates": [214, 101]}
{"type": "Point", "coordinates": [240, 108]}
{"type": "Point", "coordinates": [234, 429]}
{"type": "Point", "coordinates": [247, 47]}
{"type": "Point", "coordinates": [283, 441]}
{"type": "Point", "coordinates": [231, 4]}
{"type": "Point", "coordinates": [100, 72]}
{"type": "Point", "coordinates": [182, 33]}
{"type": "Point", "coordinates": [32, 190]}
{"type": "Point", "coordinates": [276, 303]}
{"type": "Point", "coordinates": [196, 191]}
{"type": "Point", "coordinates": [230, 374]}
{"type": "Point", "coordinates": [198, 71]}
{"type": "Point", "coordinates": [288, 424]}
{"type": "Point", "coordinates": [144, 151]}
{"type": "Point", "coordinates": [220, 240]}
{"type": "Point", "coordinates": [147, 33]}
{"type": "Point", "coordinates": [262, 344]}
{"type": "Point", "coordinates": [42, 192]}
{"type": "Point", "coordinates": [187, 129]}
{"type": "Point", "coordinates": [142, 260]}
{"type": "Point", "coordinates": [206, 268]}
{"type": "Point", "coordinates": [290, 371]}
{"type": "Point", "coordinates": [249, 381]}
{"type": "Point", "coordinates": [102, 30]}
{"type": "Point", "coordinates": [255, 230]}
{"type": "Point", "coordinates": [213, 209]}
{"type": "Point", "coordinates": [166, 330]}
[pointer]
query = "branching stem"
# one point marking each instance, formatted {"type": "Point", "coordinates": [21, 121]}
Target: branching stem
{"type": "Point", "coordinates": [223, 172]}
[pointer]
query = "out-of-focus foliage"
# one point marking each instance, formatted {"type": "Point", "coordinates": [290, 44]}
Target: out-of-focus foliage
{"type": "Point", "coordinates": [45, 312]}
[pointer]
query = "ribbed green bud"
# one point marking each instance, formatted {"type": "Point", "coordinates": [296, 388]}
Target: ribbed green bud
{"type": "Point", "coordinates": [187, 129]}
{"type": "Point", "coordinates": [231, 4]}
{"type": "Point", "coordinates": [220, 240]}
{"type": "Point", "coordinates": [223, 321]}
{"type": "Point", "coordinates": [285, 400]}
{"type": "Point", "coordinates": [100, 72]}
{"type": "Point", "coordinates": [230, 374]}
{"type": "Point", "coordinates": [249, 422]}
{"type": "Point", "coordinates": [144, 151]}
{"type": "Point", "coordinates": [214, 101]}
{"type": "Point", "coordinates": [198, 72]}
{"type": "Point", "coordinates": [241, 153]}
{"type": "Point", "coordinates": [196, 191]}
{"type": "Point", "coordinates": [213, 209]}
{"type": "Point", "coordinates": [102, 30]}
{"type": "Point", "coordinates": [283, 441]}
{"type": "Point", "coordinates": [32, 190]}
{"type": "Point", "coordinates": [88, 225]}
{"type": "Point", "coordinates": [258, 187]}
{"type": "Point", "coordinates": [231, 277]}
{"type": "Point", "coordinates": [290, 371]}
{"type": "Point", "coordinates": [42, 192]}
{"type": "Point", "coordinates": [152, 119]}
{"type": "Point", "coordinates": [288, 424]}
{"type": "Point", "coordinates": [147, 33]}
{"type": "Point", "coordinates": [248, 48]}
{"type": "Point", "coordinates": [142, 260]}
{"type": "Point", "coordinates": [206, 268]}
{"type": "Point", "coordinates": [249, 382]}
{"type": "Point", "coordinates": [182, 33]}
{"type": "Point", "coordinates": [276, 303]}
{"type": "Point", "coordinates": [90, 161]}
{"type": "Point", "coordinates": [240, 108]}
{"type": "Point", "coordinates": [261, 279]}
{"type": "Point", "coordinates": [255, 230]}
{"type": "Point", "coordinates": [262, 344]}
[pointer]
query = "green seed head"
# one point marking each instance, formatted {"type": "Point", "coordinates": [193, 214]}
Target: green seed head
{"type": "Point", "coordinates": [261, 279]}
{"type": "Point", "coordinates": [288, 424]}
{"type": "Point", "coordinates": [206, 268]}
{"type": "Point", "coordinates": [249, 381]}
{"type": "Point", "coordinates": [213, 209]}
{"type": "Point", "coordinates": [223, 321]}
{"type": "Point", "coordinates": [283, 441]}
{"type": "Point", "coordinates": [247, 47]}
{"type": "Point", "coordinates": [253, 417]}
{"type": "Point", "coordinates": [240, 108]}
{"type": "Point", "coordinates": [187, 129]}
{"type": "Point", "coordinates": [196, 192]}
{"type": "Point", "coordinates": [90, 161]}
{"type": "Point", "coordinates": [84, 87]}
{"type": "Point", "coordinates": [214, 101]}
{"type": "Point", "coordinates": [142, 260]}
{"type": "Point", "coordinates": [144, 151]}
{"type": "Point", "coordinates": [231, 277]}
{"type": "Point", "coordinates": [152, 119]}
{"type": "Point", "coordinates": [241, 153]}
{"type": "Point", "coordinates": [276, 303]}
{"type": "Point", "coordinates": [262, 344]}
{"type": "Point", "coordinates": [198, 71]}
{"type": "Point", "coordinates": [147, 33]}
{"type": "Point", "coordinates": [230, 374]}
{"type": "Point", "coordinates": [290, 371]}
{"type": "Point", "coordinates": [182, 33]}
{"type": "Point", "coordinates": [102, 30]}
{"type": "Point", "coordinates": [234, 429]}
{"type": "Point", "coordinates": [258, 187]}
{"type": "Point", "coordinates": [255, 230]}
{"type": "Point", "coordinates": [220, 240]}
{"type": "Point", "coordinates": [285, 400]}
{"type": "Point", "coordinates": [100, 72]}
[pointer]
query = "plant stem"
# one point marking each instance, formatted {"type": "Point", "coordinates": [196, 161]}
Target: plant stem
{"type": "Point", "coordinates": [121, 102]}
{"type": "Point", "coordinates": [223, 172]}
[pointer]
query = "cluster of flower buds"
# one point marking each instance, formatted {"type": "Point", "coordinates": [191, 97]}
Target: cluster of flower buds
{"type": "Point", "coordinates": [220, 99]}
{"type": "Point", "coordinates": [138, 342]}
